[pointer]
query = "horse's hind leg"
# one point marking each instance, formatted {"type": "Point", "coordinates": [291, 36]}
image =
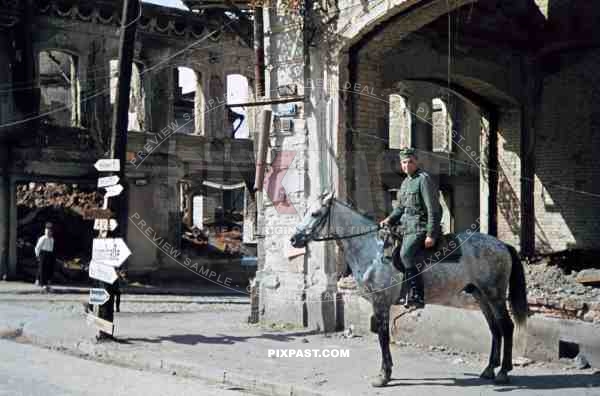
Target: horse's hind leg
{"type": "Point", "coordinates": [494, 361]}
{"type": "Point", "coordinates": [382, 321]}
{"type": "Point", "coordinates": [507, 327]}
{"type": "Point", "coordinates": [488, 372]}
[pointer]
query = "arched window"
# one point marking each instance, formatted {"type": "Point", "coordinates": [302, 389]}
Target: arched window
{"type": "Point", "coordinates": [189, 101]}
{"type": "Point", "coordinates": [400, 122]}
{"type": "Point", "coordinates": [137, 108]}
{"type": "Point", "coordinates": [441, 126]}
{"type": "Point", "coordinates": [238, 92]}
{"type": "Point", "coordinates": [59, 88]}
{"type": "Point", "coordinates": [197, 211]}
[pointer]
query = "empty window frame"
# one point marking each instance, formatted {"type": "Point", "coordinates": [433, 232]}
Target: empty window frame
{"type": "Point", "coordinates": [400, 122]}
{"type": "Point", "coordinates": [238, 92]}
{"type": "Point", "coordinates": [441, 121]}
{"type": "Point", "coordinates": [188, 101]}
{"type": "Point", "coordinates": [137, 108]}
{"type": "Point", "coordinates": [59, 88]}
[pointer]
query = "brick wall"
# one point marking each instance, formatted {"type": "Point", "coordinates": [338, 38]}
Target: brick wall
{"type": "Point", "coordinates": [567, 188]}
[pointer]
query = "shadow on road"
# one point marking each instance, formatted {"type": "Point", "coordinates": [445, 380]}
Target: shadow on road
{"type": "Point", "coordinates": [517, 382]}
{"type": "Point", "coordinates": [194, 339]}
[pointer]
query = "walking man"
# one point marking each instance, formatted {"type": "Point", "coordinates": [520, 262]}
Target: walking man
{"type": "Point", "coordinates": [419, 213]}
{"type": "Point", "coordinates": [44, 251]}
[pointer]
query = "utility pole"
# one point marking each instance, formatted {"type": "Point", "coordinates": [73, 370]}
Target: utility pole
{"type": "Point", "coordinates": [118, 141]}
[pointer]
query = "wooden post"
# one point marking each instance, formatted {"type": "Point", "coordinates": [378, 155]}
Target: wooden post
{"type": "Point", "coordinates": [118, 142]}
{"type": "Point", "coordinates": [259, 53]}
{"type": "Point", "coordinates": [261, 155]}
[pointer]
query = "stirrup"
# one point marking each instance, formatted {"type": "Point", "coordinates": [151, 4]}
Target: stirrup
{"type": "Point", "coordinates": [416, 303]}
{"type": "Point", "coordinates": [414, 299]}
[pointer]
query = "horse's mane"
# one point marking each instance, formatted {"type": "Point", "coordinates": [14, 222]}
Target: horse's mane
{"type": "Point", "coordinates": [357, 211]}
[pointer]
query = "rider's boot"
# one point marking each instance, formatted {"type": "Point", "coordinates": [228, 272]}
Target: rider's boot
{"type": "Point", "coordinates": [415, 297]}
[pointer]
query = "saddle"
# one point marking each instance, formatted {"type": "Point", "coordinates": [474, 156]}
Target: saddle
{"type": "Point", "coordinates": [446, 249]}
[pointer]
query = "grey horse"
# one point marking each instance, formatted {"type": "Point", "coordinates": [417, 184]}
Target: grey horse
{"type": "Point", "coordinates": [485, 268]}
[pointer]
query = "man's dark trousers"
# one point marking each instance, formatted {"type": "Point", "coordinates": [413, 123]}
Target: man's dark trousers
{"type": "Point", "coordinates": [412, 253]}
{"type": "Point", "coordinates": [45, 267]}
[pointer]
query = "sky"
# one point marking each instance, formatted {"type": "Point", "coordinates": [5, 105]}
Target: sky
{"type": "Point", "coordinates": [168, 3]}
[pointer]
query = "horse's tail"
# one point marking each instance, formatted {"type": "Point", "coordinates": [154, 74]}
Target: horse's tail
{"type": "Point", "coordinates": [518, 289]}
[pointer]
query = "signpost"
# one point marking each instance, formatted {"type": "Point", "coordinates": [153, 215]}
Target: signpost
{"type": "Point", "coordinates": [104, 325]}
{"type": "Point", "coordinates": [107, 165]}
{"type": "Point", "coordinates": [98, 213]}
{"type": "Point", "coordinates": [105, 224]}
{"type": "Point", "coordinates": [98, 296]}
{"type": "Point", "coordinates": [107, 181]}
{"type": "Point", "coordinates": [113, 191]}
{"type": "Point", "coordinates": [104, 273]}
{"type": "Point", "coordinates": [114, 251]}
{"type": "Point", "coordinates": [110, 251]}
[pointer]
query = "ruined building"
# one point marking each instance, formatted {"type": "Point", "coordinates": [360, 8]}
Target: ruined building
{"type": "Point", "coordinates": [500, 97]}
{"type": "Point", "coordinates": [187, 172]}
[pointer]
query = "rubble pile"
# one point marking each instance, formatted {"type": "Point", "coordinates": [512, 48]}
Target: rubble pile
{"type": "Point", "coordinates": [557, 292]}
{"type": "Point", "coordinates": [64, 206]}
{"type": "Point", "coordinates": [68, 196]}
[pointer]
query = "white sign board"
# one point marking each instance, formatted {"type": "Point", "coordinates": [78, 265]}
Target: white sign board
{"type": "Point", "coordinates": [105, 224]}
{"type": "Point", "coordinates": [98, 296]}
{"type": "Point", "coordinates": [110, 251]}
{"type": "Point", "coordinates": [102, 272]}
{"type": "Point", "coordinates": [104, 325]}
{"type": "Point", "coordinates": [107, 181]}
{"type": "Point", "coordinates": [113, 191]}
{"type": "Point", "coordinates": [108, 165]}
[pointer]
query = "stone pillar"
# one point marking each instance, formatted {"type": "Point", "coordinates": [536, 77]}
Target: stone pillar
{"type": "Point", "coordinates": [282, 278]}
{"type": "Point", "coordinates": [4, 211]}
{"type": "Point", "coordinates": [12, 229]}
{"type": "Point", "coordinates": [421, 109]}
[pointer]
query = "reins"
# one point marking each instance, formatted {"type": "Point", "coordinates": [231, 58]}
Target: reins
{"type": "Point", "coordinates": [335, 237]}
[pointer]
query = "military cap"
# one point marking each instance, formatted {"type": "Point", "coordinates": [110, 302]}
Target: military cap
{"type": "Point", "coordinates": [407, 152]}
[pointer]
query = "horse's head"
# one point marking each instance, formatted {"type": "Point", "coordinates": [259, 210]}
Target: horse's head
{"type": "Point", "coordinates": [313, 221]}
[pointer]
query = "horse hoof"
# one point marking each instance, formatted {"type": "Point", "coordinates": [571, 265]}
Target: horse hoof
{"type": "Point", "coordinates": [374, 327]}
{"type": "Point", "coordinates": [380, 381]}
{"type": "Point", "coordinates": [502, 378]}
{"type": "Point", "coordinates": [488, 373]}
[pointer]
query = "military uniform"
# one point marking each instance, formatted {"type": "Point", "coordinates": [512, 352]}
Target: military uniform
{"type": "Point", "coordinates": [419, 214]}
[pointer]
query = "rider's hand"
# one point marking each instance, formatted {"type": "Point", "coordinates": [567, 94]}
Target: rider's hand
{"type": "Point", "coordinates": [384, 223]}
{"type": "Point", "coordinates": [429, 242]}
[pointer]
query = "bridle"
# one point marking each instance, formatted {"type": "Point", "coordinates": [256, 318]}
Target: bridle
{"type": "Point", "coordinates": [333, 236]}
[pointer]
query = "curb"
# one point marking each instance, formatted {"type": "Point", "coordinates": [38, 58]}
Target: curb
{"type": "Point", "coordinates": [126, 290]}
{"type": "Point", "coordinates": [247, 383]}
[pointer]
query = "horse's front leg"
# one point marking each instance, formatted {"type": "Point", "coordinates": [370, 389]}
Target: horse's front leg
{"type": "Point", "coordinates": [382, 319]}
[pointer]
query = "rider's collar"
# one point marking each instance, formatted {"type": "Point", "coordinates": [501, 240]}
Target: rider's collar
{"type": "Point", "coordinates": [417, 172]}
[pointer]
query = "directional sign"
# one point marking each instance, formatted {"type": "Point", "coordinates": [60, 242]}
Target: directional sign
{"type": "Point", "coordinates": [108, 165]}
{"type": "Point", "coordinates": [107, 181]}
{"type": "Point", "coordinates": [102, 272]}
{"type": "Point", "coordinates": [98, 296]}
{"type": "Point", "coordinates": [105, 224]}
{"type": "Point", "coordinates": [97, 213]}
{"type": "Point", "coordinates": [113, 191]}
{"type": "Point", "coordinates": [110, 251]}
{"type": "Point", "coordinates": [104, 325]}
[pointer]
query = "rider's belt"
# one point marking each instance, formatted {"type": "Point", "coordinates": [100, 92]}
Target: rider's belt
{"type": "Point", "coordinates": [412, 211]}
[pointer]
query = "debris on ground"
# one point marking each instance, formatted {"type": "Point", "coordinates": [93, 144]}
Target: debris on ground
{"type": "Point", "coordinates": [554, 290]}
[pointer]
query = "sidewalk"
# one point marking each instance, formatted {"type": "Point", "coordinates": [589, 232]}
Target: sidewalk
{"type": "Point", "coordinates": [219, 346]}
{"type": "Point", "coordinates": [178, 289]}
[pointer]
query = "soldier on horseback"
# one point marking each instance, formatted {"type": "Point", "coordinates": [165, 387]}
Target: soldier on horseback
{"type": "Point", "coordinates": [418, 213]}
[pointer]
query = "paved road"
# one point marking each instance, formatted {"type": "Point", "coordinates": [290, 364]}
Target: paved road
{"type": "Point", "coordinates": [31, 371]}
{"type": "Point", "coordinates": [214, 341]}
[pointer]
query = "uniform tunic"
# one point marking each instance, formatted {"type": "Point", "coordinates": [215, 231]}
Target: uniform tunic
{"type": "Point", "coordinates": [419, 213]}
